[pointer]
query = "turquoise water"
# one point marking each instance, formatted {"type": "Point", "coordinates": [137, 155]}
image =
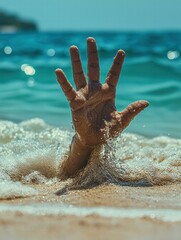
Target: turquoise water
{"type": "Point", "coordinates": [151, 71]}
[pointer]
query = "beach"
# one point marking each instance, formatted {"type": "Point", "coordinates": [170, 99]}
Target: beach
{"type": "Point", "coordinates": [132, 213]}
{"type": "Point", "coordinates": [130, 188]}
{"type": "Point", "coordinates": [30, 227]}
{"type": "Point", "coordinates": [133, 193]}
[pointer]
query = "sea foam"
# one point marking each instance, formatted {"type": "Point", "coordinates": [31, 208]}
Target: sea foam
{"type": "Point", "coordinates": [167, 215]}
{"type": "Point", "coordinates": [32, 152]}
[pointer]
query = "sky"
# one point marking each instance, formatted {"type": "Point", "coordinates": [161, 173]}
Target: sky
{"type": "Point", "coordinates": [56, 15]}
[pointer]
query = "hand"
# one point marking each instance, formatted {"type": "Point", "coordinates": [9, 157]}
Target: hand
{"type": "Point", "coordinates": [93, 104]}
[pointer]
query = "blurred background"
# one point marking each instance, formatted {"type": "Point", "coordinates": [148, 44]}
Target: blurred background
{"type": "Point", "coordinates": [35, 40]}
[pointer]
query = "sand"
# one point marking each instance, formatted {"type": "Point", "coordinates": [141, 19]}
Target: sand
{"type": "Point", "coordinates": [19, 224]}
{"type": "Point", "coordinates": [20, 227]}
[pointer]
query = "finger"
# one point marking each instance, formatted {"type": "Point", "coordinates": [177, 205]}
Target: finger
{"type": "Point", "coordinates": [114, 72]}
{"type": "Point", "coordinates": [93, 60]}
{"type": "Point", "coordinates": [131, 111]}
{"type": "Point", "coordinates": [67, 88]}
{"type": "Point", "coordinates": [120, 120]}
{"type": "Point", "coordinates": [79, 77]}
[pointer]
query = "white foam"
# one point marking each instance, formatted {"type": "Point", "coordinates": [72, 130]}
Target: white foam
{"type": "Point", "coordinates": [10, 190]}
{"type": "Point", "coordinates": [134, 159]}
{"type": "Point", "coordinates": [157, 160]}
{"type": "Point", "coordinates": [168, 215]}
{"type": "Point", "coordinates": [32, 152]}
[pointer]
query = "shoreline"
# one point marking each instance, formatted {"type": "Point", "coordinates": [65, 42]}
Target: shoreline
{"type": "Point", "coordinates": [107, 211]}
{"type": "Point", "coordinates": [56, 210]}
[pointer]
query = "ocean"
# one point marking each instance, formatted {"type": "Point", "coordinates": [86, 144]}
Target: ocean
{"type": "Point", "coordinates": [151, 71]}
{"type": "Point", "coordinates": [35, 119]}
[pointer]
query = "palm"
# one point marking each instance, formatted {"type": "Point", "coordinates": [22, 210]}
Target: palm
{"type": "Point", "coordinates": [93, 104]}
{"type": "Point", "coordinates": [91, 110]}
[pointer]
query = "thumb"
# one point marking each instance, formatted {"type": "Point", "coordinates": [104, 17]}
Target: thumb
{"type": "Point", "coordinates": [131, 111]}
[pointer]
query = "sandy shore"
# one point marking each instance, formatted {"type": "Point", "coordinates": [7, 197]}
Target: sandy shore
{"type": "Point", "coordinates": [20, 227]}
{"type": "Point", "coordinates": [17, 224]}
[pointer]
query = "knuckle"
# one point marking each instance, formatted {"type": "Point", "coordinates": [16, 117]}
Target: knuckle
{"type": "Point", "coordinates": [94, 65]}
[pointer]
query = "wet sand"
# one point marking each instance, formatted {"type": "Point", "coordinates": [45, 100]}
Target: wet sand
{"type": "Point", "coordinates": [19, 225]}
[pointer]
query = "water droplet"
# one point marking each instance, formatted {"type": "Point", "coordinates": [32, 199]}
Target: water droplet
{"type": "Point", "coordinates": [173, 54]}
{"type": "Point", "coordinates": [51, 52]}
{"type": "Point", "coordinates": [29, 70]}
{"type": "Point", "coordinates": [31, 82]}
{"type": "Point", "coordinates": [8, 50]}
{"type": "Point", "coordinates": [23, 66]}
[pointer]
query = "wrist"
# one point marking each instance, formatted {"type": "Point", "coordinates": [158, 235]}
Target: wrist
{"type": "Point", "coordinates": [77, 157]}
{"type": "Point", "coordinates": [77, 140]}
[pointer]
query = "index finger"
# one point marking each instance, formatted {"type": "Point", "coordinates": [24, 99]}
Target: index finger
{"type": "Point", "coordinates": [79, 77]}
{"type": "Point", "coordinates": [114, 72]}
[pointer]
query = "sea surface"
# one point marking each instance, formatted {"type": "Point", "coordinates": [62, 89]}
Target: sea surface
{"type": "Point", "coordinates": [35, 119]}
{"type": "Point", "coordinates": [152, 71]}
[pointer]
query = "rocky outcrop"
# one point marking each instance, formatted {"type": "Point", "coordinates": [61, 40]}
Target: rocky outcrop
{"type": "Point", "coordinates": [12, 23]}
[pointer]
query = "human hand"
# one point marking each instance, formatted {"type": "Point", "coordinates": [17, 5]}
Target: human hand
{"type": "Point", "coordinates": [93, 104]}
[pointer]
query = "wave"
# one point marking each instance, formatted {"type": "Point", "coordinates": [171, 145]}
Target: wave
{"type": "Point", "coordinates": [166, 215]}
{"type": "Point", "coordinates": [32, 152]}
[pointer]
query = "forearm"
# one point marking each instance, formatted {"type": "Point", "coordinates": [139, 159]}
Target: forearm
{"type": "Point", "coordinates": [77, 158]}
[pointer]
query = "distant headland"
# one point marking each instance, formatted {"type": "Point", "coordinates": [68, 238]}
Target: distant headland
{"type": "Point", "coordinates": [12, 23]}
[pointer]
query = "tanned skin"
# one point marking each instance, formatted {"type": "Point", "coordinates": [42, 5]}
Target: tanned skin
{"type": "Point", "coordinates": [92, 104]}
